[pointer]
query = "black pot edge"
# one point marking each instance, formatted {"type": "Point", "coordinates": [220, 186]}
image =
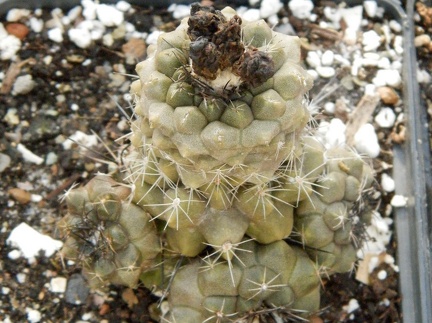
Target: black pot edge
{"type": "Point", "coordinates": [413, 180]}
{"type": "Point", "coordinates": [411, 160]}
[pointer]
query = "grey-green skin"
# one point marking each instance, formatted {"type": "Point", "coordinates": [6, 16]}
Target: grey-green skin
{"type": "Point", "coordinates": [323, 221]}
{"type": "Point", "coordinates": [273, 275]}
{"type": "Point", "coordinates": [113, 240]}
{"type": "Point", "coordinates": [246, 137]}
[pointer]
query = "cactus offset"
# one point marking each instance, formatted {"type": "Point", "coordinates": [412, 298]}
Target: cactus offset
{"type": "Point", "coordinates": [222, 172]}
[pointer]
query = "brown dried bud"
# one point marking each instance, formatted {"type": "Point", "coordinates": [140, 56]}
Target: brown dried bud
{"type": "Point", "coordinates": [256, 68]}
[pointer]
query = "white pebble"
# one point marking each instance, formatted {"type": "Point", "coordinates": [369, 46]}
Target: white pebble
{"type": "Point", "coordinates": [423, 76]}
{"type": "Point", "coordinates": [399, 201]}
{"type": "Point", "coordinates": [80, 37]}
{"type": "Point", "coordinates": [9, 46]}
{"type": "Point", "coordinates": [313, 59]}
{"type": "Point", "coordinates": [36, 198]}
{"type": "Point", "coordinates": [385, 118]}
{"type": "Point", "coordinates": [109, 15]}
{"type": "Point", "coordinates": [371, 40]}
{"type": "Point", "coordinates": [353, 17]}
{"type": "Point", "coordinates": [33, 316]}
{"type": "Point", "coordinates": [5, 290]}
{"type": "Point", "coordinates": [58, 284]}
{"type": "Point", "coordinates": [395, 26]}
{"type": "Point", "coordinates": [352, 306]}
{"type": "Point", "coordinates": [21, 278]}
{"type": "Point", "coordinates": [12, 117]}
{"type": "Point", "coordinates": [327, 58]}
{"type": "Point", "coordinates": [301, 8]}
{"type": "Point", "coordinates": [384, 63]}
{"type": "Point", "coordinates": [29, 156]}
{"type": "Point", "coordinates": [153, 37]}
{"type": "Point", "coordinates": [74, 13]}
{"type": "Point", "coordinates": [422, 40]}
{"type": "Point", "coordinates": [14, 254]}
{"type": "Point", "coordinates": [382, 274]}
{"type": "Point", "coordinates": [334, 15]}
{"type": "Point", "coordinates": [251, 15]}
{"type": "Point", "coordinates": [366, 141]}
{"type": "Point", "coordinates": [370, 7]}
{"type": "Point", "coordinates": [390, 77]}
{"type": "Point", "coordinates": [123, 6]}
{"type": "Point", "coordinates": [326, 71]}
{"type": "Point", "coordinates": [179, 11]}
{"type": "Point", "coordinates": [55, 34]}
{"type": "Point", "coordinates": [313, 74]}
{"type": "Point", "coordinates": [30, 242]}
{"type": "Point", "coordinates": [36, 24]}
{"type": "Point", "coordinates": [89, 11]}
{"type": "Point", "coordinates": [82, 139]}
{"type": "Point", "coordinates": [329, 107]}
{"type": "Point", "coordinates": [387, 183]}
{"type": "Point", "coordinates": [51, 158]}
{"type": "Point", "coordinates": [14, 15]}
{"type": "Point", "coordinates": [23, 84]}
{"type": "Point", "coordinates": [335, 135]}
{"type": "Point", "coordinates": [270, 7]}
{"type": "Point", "coordinates": [370, 89]}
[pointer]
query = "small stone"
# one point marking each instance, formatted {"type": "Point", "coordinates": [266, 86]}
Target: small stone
{"type": "Point", "coordinates": [22, 196]}
{"type": "Point", "coordinates": [30, 242]}
{"type": "Point", "coordinates": [387, 183]}
{"type": "Point", "coordinates": [385, 118]}
{"type": "Point", "coordinates": [17, 14]}
{"type": "Point", "coordinates": [56, 35]}
{"type": "Point", "coordinates": [366, 141]}
{"type": "Point", "coordinates": [5, 161]}
{"type": "Point", "coordinates": [371, 41]}
{"type": "Point", "coordinates": [109, 15]}
{"type": "Point", "coordinates": [422, 40]}
{"type": "Point", "coordinates": [251, 15]}
{"type": "Point", "coordinates": [29, 156]}
{"type": "Point", "coordinates": [329, 107]}
{"type": "Point", "coordinates": [327, 58]}
{"type": "Point", "coordinates": [33, 316]}
{"type": "Point", "coordinates": [399, 201]}
{"type": "Point", "coordinates": [313, 59]}
{"type": "Point", "coordinates": [388, 95]}
{"type": "Point", "coordinates": [58, 284]}
{"type": "Point", "coordinates": [326, 71]}
{"type": "Point", "coordinates": [389, 77]}
{"type": "Point", "coordinates": [123, 5]}
{"type": "Point", "coordinates": [36, 24]}
{"type": "Point", "coordinates": [370, 7]}
{"type": "Point", "coordinates": [80, 36]}
{"type": "Point", "coordinates": [134, 50]}
{"type": "Point", "coordinates": [23, 84]}
{"type": "Point", "coordinates": [300, 8]}
{"type": "Point", "coordinates": [395, 26]}
{"type": "Point", "coordinates": [9, 46]}
{"type": "Point", "coordinates": [77, 290]}
{"type": "Point", "coordinates": [11, 117]}
{"type": "Point", "coordinates": [17, 29]}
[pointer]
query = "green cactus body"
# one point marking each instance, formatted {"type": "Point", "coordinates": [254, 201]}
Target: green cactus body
{"type": "Point", "coordinates": [114, 240]}
{"type": "Point", "coordinates": [221, 174]}
{"type": "Point", "coordinates": [261, 275]}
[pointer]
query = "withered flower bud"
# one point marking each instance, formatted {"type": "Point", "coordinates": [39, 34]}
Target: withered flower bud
{"type": "Point", "coordinates": [256, 67]}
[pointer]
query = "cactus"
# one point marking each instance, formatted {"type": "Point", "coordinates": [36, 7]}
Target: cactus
{"type": "Point", "coordinates": [223, 183]}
